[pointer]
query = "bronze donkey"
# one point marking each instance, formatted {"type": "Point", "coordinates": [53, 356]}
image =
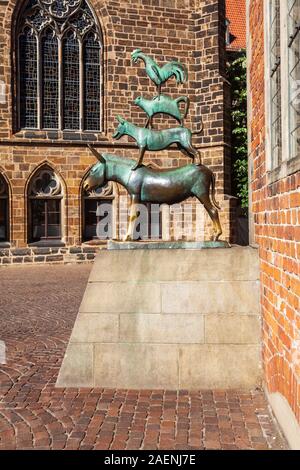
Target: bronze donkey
{"type": "Point", "coordinates": [147, 185]}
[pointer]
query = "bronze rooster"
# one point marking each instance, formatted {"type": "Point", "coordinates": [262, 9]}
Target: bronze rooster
{"type": "Point", "coordinates": [159, 75]}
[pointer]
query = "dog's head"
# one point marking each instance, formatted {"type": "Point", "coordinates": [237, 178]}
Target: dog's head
{"type": "Point", "coordinates": [138, 100]}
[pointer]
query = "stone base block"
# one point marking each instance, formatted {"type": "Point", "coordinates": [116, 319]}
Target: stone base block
{"type": "Point", "coordinates": [168, 319]}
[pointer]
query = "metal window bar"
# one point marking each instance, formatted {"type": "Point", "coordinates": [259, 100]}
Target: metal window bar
{"type": "Point", "coordinates": [91, 64]}
{"type": "Point", "coordinates": [275, 37]}
{"type": "Point", "coordinates": [294, 20]}
{"type": "Point", "coordinates": [275, 81]}
{"type": "Point", "coordinates": [294, 76]}
{"type": "Point", "coordinates": [42, 227]}
{"type": "Point", "coordinates": [71, 82]}
{"type": "Point", "coordinates": [50, 80]}
{"type": "Point", "coordinates": [28, 79]}
{"type": "Point", "coordinates": [294, 35]}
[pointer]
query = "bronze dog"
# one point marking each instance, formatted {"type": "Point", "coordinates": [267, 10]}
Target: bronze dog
{"type": "Point", "coordinates": [147, 139]}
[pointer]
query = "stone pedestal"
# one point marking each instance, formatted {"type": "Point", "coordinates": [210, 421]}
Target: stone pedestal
{"type": "Point", "coordinates": [166, 245]}
{"type": "Point", "coordinates": [168, 319]}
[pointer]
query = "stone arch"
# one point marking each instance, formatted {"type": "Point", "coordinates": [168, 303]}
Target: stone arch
{"type": "Point", "coordinates": [5, 177]}
{"type": "Point", "coordinates": [53, 167]}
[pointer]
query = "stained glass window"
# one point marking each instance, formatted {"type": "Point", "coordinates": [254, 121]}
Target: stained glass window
{"type": "Point", "coordinates": [59, 93]}
{"type": "Point", "coordinates": [28, 79]}
{"type": "Point", "coordinates": [50, 80]}
{"type": "Point", "coordinates": [91, 60]}
{"type": "Point", "coordinates": [4, 212]}
{"type": "Point", "coordinates": [71, 88]}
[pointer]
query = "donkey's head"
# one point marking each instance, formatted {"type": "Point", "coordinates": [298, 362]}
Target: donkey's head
{"type": "Point", "coordinates": [121, 129]}
{"type": "Point", "coordinates": [96, 176]}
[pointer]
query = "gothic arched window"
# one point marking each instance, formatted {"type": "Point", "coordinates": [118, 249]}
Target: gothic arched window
{"type": "Point", "coordinates": [59, 66]}
{"type": "Point", "coordinates": [45, 206]}
{"type": "Point", "coordinates": [4, 210]}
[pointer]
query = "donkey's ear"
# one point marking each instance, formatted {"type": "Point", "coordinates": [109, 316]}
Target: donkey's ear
{"type": "Point", "coordinates": [120, 119]}
{"type": "Point", "coordinates": [97, 154]}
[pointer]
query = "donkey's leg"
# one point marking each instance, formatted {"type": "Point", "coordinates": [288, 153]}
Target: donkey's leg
{"type": "Point", "coordinates": [139, 163]}
{"type": "Point", "coordinates": [132, 218]}
{"type": "Point", "coordinates": [213, 213]}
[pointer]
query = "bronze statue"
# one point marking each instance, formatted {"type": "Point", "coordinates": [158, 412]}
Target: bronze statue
{"type": "Point", "coordinates": [164, 105]}
{"type": "Point", "coordinates": [147, 185]}
{"type": "Point", "coordinates": [159, 75]}
{"type": "Point", "coordinates": [147, 139]}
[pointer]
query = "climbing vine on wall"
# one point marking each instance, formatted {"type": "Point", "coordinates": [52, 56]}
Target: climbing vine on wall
{"type": "Point", "coordinates": [237, 74]}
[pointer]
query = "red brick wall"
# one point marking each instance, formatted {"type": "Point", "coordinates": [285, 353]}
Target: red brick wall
{"type": "Point", "coordinates": [276, 213]}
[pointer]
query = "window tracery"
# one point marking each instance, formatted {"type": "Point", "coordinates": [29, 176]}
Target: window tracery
{"type": "Point", "coordinates": [59, 50]}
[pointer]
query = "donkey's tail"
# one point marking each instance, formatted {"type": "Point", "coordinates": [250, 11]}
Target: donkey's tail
{"type": "Point", "coordinates": [200, 131]}
{"type": "Point", "coordinates": [187, 104]}
{"type": "Point", "coordinates": [213, 191]}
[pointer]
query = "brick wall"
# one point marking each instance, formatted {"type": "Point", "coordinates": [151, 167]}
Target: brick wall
{"type": "Point", "coordinates": [276, 214]}
{"type": "Point", "coordinates": [183, 29]}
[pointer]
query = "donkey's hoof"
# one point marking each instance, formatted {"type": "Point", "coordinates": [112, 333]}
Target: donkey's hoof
{"type": "Point", "coordinates": [216, 237]}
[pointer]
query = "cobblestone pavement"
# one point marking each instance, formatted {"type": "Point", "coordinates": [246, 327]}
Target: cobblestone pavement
{"type": "Point", "coordinates": [38, 306]}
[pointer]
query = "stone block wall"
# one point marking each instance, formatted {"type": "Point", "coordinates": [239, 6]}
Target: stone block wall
{"type": "Point", "coordinates": [76, 254]}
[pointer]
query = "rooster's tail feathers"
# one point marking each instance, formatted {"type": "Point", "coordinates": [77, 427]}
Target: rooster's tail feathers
{"type": "Point", "coordinates": [181, 71]}
{"type": "Point", "coordinates": [176, 69]}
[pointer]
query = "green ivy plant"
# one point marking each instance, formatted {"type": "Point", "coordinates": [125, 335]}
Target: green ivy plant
{"type": "Point", "coordinates": [237, 74]}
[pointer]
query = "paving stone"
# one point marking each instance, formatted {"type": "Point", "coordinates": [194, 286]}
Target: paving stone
{"type": "Point", "coordinates": [38, 306]}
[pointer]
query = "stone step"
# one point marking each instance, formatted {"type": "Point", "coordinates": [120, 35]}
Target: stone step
{"type": "Point", "coordinates": [237, 263]}
{"type": "Point", "coordinates": [201, 297]}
